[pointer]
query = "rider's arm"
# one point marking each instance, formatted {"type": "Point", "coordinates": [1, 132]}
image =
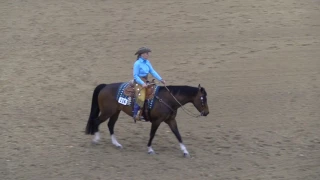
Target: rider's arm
{"type": "Point", "coordinates": [153, 72]}
{"type": "Point", "coordinates": [136, 73]}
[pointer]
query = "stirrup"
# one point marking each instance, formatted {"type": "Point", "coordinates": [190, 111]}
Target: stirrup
{"type": "Point", "coordinates": [137, 116]}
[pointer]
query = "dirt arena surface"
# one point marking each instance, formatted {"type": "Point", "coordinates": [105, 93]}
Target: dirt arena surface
{"type": "Point", "coordinates": [258, 60]}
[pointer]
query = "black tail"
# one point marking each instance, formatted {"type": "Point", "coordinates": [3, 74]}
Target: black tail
{"type": "Point", "coordinates": [90, 129]}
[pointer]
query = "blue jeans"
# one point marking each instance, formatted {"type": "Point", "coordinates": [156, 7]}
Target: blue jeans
{"type": "Point", "coordinates": [136, 108]}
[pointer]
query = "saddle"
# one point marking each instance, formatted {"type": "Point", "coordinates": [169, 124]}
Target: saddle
{"type": "Point", "coordinates": [150, 93]}
{"type": "Point", "coordinates": [129, 90]}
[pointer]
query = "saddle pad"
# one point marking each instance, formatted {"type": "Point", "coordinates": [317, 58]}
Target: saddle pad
{"type": "Point", "coordinates": [126, 100]}
{"type": "Point", "coordinates": [121, 97]}
{"type": "Point", "coordinates": [151, 101]}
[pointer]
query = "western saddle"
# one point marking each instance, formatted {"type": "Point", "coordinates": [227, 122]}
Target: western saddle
{"type": "Point", "coordinates": [129, 90]}
{"type": "Point", "coordinates": [150, 93]}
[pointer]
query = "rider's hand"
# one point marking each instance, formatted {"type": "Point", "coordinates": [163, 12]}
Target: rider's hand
{"type": "Point", "coordinates": [144, 85]}
{"type": "Point", "coordinates": [163, 81]}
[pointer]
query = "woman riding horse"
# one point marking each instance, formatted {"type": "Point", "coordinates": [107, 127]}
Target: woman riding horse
{"type": "Point", "coordinates": [141, 68]}
{"type": "Point", "coordinates": [168, 99]}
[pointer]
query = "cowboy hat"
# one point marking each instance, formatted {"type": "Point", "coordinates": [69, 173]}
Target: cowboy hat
{"type": "Point", "coordinates": [142, 50]}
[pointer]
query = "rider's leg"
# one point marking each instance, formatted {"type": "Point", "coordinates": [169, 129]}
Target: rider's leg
{"type": "Point", "coordinates": [136, 109]}
{"type": "Point", "coordinates": [140, 98]}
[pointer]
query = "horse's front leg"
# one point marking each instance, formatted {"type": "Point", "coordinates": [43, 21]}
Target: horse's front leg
{"type": "Point", "coordinates": [111, 123]}
{"type": "Point", "coordinates": [174, 128]}
{"type": "Point", "coordinates": [154, 127]}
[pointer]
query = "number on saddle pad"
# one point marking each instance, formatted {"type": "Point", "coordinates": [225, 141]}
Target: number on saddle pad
{"type": "Point", "coordinates": [124, 101]}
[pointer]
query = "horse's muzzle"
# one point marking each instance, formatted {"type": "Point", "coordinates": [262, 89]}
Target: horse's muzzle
{"type": "Point", "coordinates": [204, 113]}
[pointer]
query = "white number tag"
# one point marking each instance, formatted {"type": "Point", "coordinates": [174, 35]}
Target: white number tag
{"type": "Point", "coordinates": [123, 101]}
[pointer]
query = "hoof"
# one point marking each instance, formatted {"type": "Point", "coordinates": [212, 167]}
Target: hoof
{"type": "Point", "coordinates": [186, 155]}
{"type": "Point", "coordinates": [117, 145]}
{"type": "Point", "coordinates": [151, 152]}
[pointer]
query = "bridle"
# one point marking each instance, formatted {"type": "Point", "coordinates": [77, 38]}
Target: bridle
{"type": "Point", "coordinates": [182, 107]}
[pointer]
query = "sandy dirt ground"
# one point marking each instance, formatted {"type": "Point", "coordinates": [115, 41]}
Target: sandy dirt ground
{"type": "Point", "coordinates": [258, 60]}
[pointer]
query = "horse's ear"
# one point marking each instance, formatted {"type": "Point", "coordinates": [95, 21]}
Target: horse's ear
{"type": "Point", "coordinates": [199, 87]}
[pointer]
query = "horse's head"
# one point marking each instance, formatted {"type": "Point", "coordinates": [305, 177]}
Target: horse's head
{"type": "Point", "coordinates": [200, 101]}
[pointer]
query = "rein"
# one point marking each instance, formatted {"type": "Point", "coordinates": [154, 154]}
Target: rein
{"type": "Point", "coordinates": [183, 108]}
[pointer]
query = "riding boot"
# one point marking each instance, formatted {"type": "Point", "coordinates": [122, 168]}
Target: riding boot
{"type": "Point", "coordinates": [136, 112]}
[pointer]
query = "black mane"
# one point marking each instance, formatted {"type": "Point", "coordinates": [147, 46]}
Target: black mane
{"type": "Point", "coordinates": [181, 90]}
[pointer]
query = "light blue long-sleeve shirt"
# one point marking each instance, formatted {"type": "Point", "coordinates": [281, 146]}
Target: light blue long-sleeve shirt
{"type": "Point", "coordinates": [142, 67]}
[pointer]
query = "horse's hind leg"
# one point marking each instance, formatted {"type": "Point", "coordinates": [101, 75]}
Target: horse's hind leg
{"type": "Point", "coordinates": [112, 121]}
{"type": "Point", "coordinates": [102, 118]}
{"type": "Point", "coordinates": [174, 128]}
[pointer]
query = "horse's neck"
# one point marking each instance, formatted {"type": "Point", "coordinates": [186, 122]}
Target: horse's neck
{"type": "Point", "coordinates": [180, 101]}
{"type": "Point", "coordinates": [180, 98]}
{"type": "Point", "coordinates": [185, 100]}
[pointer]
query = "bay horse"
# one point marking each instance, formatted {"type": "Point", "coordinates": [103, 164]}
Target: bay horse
{"type": "Point", "coordinates": [169, 99]}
